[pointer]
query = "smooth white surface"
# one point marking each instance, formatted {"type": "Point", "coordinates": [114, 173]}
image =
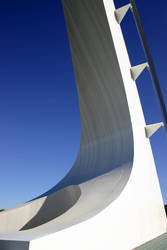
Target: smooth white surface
{"type": "Point", "coordinates": [106, 133]}
{"type": "Point", "coordinates": [137, 215]}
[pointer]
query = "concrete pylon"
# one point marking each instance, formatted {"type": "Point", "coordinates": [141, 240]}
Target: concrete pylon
{"type": "Point", "coordinates": [137, 70]}
{"type": "Point", "coordinates": [152, 128]}
{"type": "Point", "coordinates": [114, 170]}
{"type": "Point", "coordinates": [121, 12]}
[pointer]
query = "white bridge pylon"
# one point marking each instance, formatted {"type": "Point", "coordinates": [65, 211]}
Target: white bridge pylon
{"type": "Point", "coordinates": [110, 199]}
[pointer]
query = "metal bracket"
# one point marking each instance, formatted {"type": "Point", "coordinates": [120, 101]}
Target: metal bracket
{"type": "Point", "coordinates": [121, 12]}
{"type": "Point", "coordinates": [137, 70]}
{"type": "Point", "coordinates": [152, 70]}
{"type": "Point", "coordinates": [152, 128]}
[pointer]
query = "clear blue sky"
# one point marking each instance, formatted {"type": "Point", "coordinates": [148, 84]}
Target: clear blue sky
{"type": "Point", "coordinates": [39, 112]}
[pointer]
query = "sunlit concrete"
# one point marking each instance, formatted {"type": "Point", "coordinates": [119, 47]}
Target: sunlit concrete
{"type": "Point", "coordinates": [111, 197]}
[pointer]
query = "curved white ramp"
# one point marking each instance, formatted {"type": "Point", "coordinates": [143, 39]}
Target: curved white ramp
{"type": "Point", "coordinates": [111, 197]}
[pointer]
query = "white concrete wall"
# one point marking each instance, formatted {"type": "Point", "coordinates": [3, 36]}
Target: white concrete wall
{"type": "Point", "coordinates": [137, 215]}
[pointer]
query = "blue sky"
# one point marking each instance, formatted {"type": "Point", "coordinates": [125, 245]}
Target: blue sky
{"type": "Point", "coordinates": [40, 121]}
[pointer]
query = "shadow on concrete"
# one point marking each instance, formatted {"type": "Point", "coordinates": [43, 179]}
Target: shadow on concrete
{"type": "Point", "coordinates": [14, 245]}
{"type": "Point", "coordinates": [55, 205]}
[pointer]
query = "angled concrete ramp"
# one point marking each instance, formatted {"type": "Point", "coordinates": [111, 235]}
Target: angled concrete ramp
{"type": "Point", "coordinates": [110, 199]}
{"type": "Point", "coordinates": [105, 120]}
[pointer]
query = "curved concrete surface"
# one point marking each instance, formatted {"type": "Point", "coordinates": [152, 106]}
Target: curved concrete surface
{"type": "Point", "coordinates": [55, 205]}
{"type": "Point", "coordinates": [106, 136]}
{"type": "Point", "coordinates": [106, 131]}
{"type": "Point", "coordinates": [112, 135]}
